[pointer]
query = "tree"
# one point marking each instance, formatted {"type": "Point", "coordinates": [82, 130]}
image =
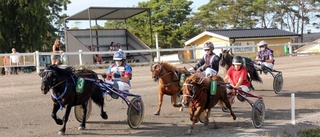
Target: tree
{"type": "Point", "coordinates": [169, 18]}
{"type": "Point", "coordinates": [28, 25]}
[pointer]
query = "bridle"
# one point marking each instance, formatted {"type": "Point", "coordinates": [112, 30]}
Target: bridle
{"type": "Point", "coordinates": [193, 91]}
{"type": "Point", "coordinates": [160, 75]}
{"type": "Point", "coordinates": [226, 59]}
{"type": "Point", "coordinates": [44, 73]}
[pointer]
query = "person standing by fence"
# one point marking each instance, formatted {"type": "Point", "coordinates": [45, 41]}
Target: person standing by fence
{"type": "Point", "coordinates": [15, 59]}
{"type": "Point", "coordinates": [56, 48]}
{"type": "Point", "coordinates": [6, 64]}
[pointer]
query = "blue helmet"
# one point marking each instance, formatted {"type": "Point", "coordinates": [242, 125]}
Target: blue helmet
{"type": "Point", "coordinates": [119, 55]}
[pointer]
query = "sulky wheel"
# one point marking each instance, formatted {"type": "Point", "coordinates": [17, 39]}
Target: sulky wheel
{"type": "Point", "coordinates": [78, 111]}
{"type": "Point", "coordinates": [277, 83]}
{"type": "Point", "coordinates": [135, 113]}
{"type": "Point", "coordinates": [258, 113]}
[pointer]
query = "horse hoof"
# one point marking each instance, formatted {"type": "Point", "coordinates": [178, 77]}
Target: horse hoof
{"type": "Point", "coordinates": [205, 123]}
{"type": "Point", "coordinates": [190, 131]}
{"type": "Point", "coordinates": [81, 128]}
{"type": "Point", "coordinates": [61, 133]}
{"type": "Point", "coordinates": [104, 115]}
{"type": "Point", "coordinates": [157, 113]}
{"type": "Point", "coordinates": [59, 122]}
{"type": "Point", "coordinates": [181, 109]}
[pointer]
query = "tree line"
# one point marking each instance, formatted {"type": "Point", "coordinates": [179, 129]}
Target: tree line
{"type": "Point", "coordinates": [33, 25]}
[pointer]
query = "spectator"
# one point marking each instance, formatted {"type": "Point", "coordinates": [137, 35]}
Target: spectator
{"type": "Point", "coordinates": [56, 48]}
{"type": "Point", "coordinates": [112, 47]}
{"type": "Point", "coordinates": [15, 60]}
{"type": "Point", "coordinates": [6, 64]}
{"type": "Point", "coordinates": [118, 46]}
{"type": "Point", "coordinates": [97, 57]}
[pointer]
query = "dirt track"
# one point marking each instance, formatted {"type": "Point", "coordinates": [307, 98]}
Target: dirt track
{"type": "Point", "coordinates": [25, 111]}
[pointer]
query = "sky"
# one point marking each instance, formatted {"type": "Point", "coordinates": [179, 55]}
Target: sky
{"type": "Point", "coordinates": [79, 5]}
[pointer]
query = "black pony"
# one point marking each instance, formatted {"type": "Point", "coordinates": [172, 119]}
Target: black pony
{"type": "Point", "coordinates": [226, 62]}
{"type": "Point", "coordinates": [64, 92]}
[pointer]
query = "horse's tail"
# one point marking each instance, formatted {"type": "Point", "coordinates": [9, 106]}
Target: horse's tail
{"type": "Point", "coordinates": [255, 76]}
{"type": "Point", "coordinates": [97, 96]}
{"type": "Point", "coordinates": [252, 71]}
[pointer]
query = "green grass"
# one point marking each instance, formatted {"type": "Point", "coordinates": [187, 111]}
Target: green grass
{"type": "Point", "coordinates": [315, 132]}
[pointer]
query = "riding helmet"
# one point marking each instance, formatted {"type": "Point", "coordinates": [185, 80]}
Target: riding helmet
{"type": "Point", "coordinates": [119, 55]}
{"type": "Point", "coordinates": [237, 60]}
{"type": "Point", "coordinates": [208, 45]}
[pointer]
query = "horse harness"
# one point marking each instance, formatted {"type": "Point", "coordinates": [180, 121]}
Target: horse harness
{"type": "Point", "coordinates": [173, 73]}
{"type": "Point", "coordinates": [73, 83]}
{"type": "Point", "coordinates": [194, 98]}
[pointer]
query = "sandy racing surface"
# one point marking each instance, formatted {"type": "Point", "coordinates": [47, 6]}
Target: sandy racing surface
{"type": "Point", "coordinates": [25, 111]}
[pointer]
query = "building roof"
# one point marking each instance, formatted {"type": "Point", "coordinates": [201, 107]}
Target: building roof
{"type": "Point", "coordinates": [311, 47]}
{"type": "Point", "coordinates": [228, 34]}
{"type": "Point", "coordinates": [107, 13]}
{"type": "Point", "coordinates": [310, 37]}
{"type": "Point", "coordinates": [253, 33]}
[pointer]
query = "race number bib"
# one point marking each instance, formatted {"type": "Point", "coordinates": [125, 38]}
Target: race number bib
{"type": "Point", "coordinates": [80, 85]}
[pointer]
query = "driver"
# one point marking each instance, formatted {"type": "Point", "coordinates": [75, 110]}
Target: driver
{"type": "Point", "coordinates": [119, 72]}
{"type": "Point", "coordinates": [237, 75]}
{"type": "Point", "coordinates": [264, 57]}
{"type": "Point", "coordinates": [209, 63]}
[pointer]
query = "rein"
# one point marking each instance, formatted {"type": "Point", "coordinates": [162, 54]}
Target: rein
{"type": "Point", "coordinates": [170, 82]}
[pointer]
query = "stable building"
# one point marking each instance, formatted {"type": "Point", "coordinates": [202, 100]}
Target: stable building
{"type": "Point", "coordinates": [238, 38]}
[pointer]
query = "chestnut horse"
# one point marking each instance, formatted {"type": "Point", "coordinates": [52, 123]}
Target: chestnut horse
{"type": "Point", "coordinates": [226, 62]}
{"type": "Point", "coordinates": [64, 93]}
{"type": "Point", "coordinates": [169, 79]}
{"type": "Point", "coordinates": [196, 90]}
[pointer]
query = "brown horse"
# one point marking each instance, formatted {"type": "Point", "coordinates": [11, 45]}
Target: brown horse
{"type": "Point", "coordinates": [64, 93]}
{"type": "Point", "coordinates": [196, 90]}
{"type": "Point", "coordinates": [226, 62]}
{"type": "Point", "coordinates": [168, 77]}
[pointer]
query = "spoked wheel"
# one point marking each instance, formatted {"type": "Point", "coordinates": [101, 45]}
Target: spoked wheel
{"type": "Point", "coordinates": [277, 83]}
{"type": "Point", "coordinates": [135, 116]}
{"type": "Point", "coordinates": [258, 113]}
{"type": "Point", "coordinates": [202, 116]}
{"type": "Point", "coordinates": [78, 111]}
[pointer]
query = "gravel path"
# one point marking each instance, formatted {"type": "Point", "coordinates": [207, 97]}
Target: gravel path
{"type": "Point", "coordinates": [25, 111]}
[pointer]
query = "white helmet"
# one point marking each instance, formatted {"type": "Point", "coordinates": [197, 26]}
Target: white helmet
{"type": "Point", "coordinates": [261, 43]}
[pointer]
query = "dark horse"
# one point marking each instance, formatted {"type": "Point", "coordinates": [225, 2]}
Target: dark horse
{"type": "Point", "coordinates": [226, 62]}
{"type": "Point", "coordinates": [196, 90]}
{"type": "Point", "coordinates": [63, 83]}
{"type": "Point", "coordinates": [169, 79]}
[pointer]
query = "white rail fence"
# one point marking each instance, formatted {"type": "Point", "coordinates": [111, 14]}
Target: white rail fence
{"type": "Point", "coordinates": [33, 59]}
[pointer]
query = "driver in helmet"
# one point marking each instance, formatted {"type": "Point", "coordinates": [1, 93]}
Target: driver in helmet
{"type": "Point", "coordinates": [119, 72]}
{"type": "Point", "coordinates": [264, 56]}
{"type": "Point", "coordinates": [237, 75]}
{"type": "Point", "coordinates": [209, 63]}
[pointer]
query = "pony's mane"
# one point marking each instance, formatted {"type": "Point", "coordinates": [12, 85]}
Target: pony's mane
{"type": "Point", "coordinates": [63, 72]}
{"type": "Point", "coordinates": [195, 78]}
{"type": "Point", "coordinates": [168, 66]}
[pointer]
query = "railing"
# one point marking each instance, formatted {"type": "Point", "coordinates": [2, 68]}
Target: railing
{"type": "Point", "coordinates": [33, 59]}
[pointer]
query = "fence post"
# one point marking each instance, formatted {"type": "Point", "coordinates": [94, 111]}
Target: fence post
{"type": "Point", "coordinates": [37, 61]}
{"type": "Point", "coordinates": [80, 57]}
{"type": "Point", "coordinates": [157, 47]}
{"type": "Point", "coordinates": [293, 121]}
{"type": "Point", "coordinates": [290, 48]}
{"type": "Point", "coordinates": [319, 46]}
